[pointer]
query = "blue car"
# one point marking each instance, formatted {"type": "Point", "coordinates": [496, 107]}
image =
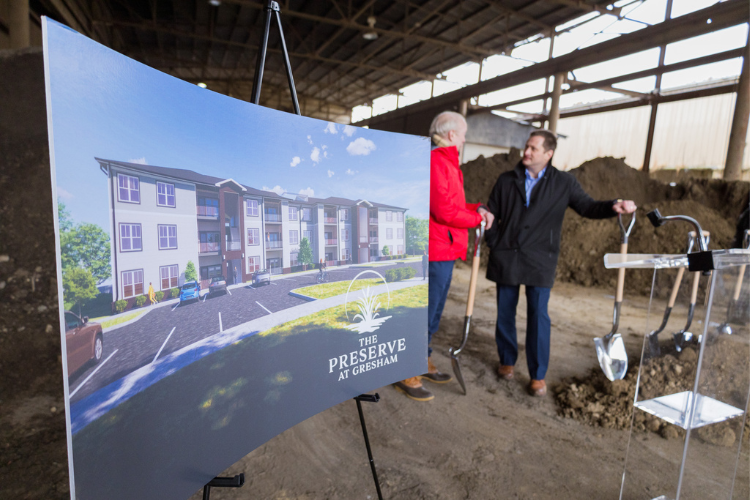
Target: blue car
{"type": "Point", "coordinates": [190, 290]}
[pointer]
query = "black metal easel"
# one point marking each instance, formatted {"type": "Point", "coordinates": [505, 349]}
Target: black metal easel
{"type": "Point", "coordinates": [273, 10]}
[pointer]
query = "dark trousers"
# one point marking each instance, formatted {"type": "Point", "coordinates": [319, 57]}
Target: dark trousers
{"type": "Point", "coordinates": [440, 281]}
{"type": "Point", "coordinates": [537, 328]}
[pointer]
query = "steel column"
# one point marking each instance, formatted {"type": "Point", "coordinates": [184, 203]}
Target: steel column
{"type": "Point", "coordinates": [554, 109]}
{"type": "Point", "coordinates": [18, 21]}
{"type": "Point", "coordinates": [738, 135]}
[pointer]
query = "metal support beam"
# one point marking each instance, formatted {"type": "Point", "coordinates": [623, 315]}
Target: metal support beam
{"type": "Point", "coordinates": [738, 135]}
{"type": "Point", "coordinates": [18, 21]}
{"type": "Point", "coordinates": [554, 109]}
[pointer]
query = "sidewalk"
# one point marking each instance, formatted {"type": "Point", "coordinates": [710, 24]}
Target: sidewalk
{"type": "Point", "coordinates": [90, 408]}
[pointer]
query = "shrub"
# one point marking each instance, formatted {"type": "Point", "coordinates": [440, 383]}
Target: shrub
{"type": "Point", "coordinates": [399, 273]}
{"type": "Point", "coordinates": [175, 292]}
{"type": "Point", "coordinates": [159, 296]}
{"type": "Point", "coordinates": [408, 273]}
{"type": "Point", "coordinates": [390, 275]}
{"type": "Point", "coordinates": [140, 300]}
{"type": "Point", "coordinates": [120, 305]}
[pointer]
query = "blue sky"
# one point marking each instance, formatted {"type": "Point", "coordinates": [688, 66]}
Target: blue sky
{"type": "Point", "coordinates": [106, 105]}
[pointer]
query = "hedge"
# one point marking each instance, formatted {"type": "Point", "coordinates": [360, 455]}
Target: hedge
{"type": "Point", "coordinates": [140, 300]}
{"type": "Point", "coordinates": [159, 296]}
{"type": "Point", "coordinates": [120, 305]}
{"type": "Point", "coordinates": [175, 292]}
{"type": "Point", "coordinates": [400, 273]}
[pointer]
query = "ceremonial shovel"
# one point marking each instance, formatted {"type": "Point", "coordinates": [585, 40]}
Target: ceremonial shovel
{"type": "Point", "coordinates": [469, 307]}
{"type": "Point", "coordinates": [732, 314]}
{"type": "Point", "coordinates": [653, 337]}
{"type": "Point", "coordinates": [684, 335]}
{"type": "Point", "coordinates": [611, 349]}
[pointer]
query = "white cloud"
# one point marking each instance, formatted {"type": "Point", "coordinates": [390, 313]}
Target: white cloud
{"type": "Point", "coordinates": [295, 161]}
{"type": "Point", "coordinates": [330, 173]}
{"type": "Point", "coordinates": [325, 154]}
{"type": "Point", "coordinates": [276, 189]}
{"type": "Point", "coordinates": [349, 130]}
{"type": "Point", "coordinates": [62, 193]}
{"type": "Point", "coordinates": [324, 147]}
{"type": "Point", "coordinates": [360, 147]}
{"type": "Point", "coordinates": [330, 128]}
{"type": "Point", "coordinates": [349, 171]}
{"type": "Point", "coordinates": [140, 161]}
{"type": "Point", "coordinates": [308, 192]}
{"type": "Point", "coordinates": [309, 139]}
{"type": "Point", "coordinates": [315, 155]}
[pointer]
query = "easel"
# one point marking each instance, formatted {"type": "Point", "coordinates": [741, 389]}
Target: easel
{"type": "Point", "coordinates": [272, 10]}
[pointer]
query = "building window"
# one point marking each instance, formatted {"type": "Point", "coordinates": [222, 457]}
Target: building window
{"type": "Point", "coordinates": [167, 237]}
{"type": "Point", "coordinates": [400, 233]}
{"type": "Point", "coordinates": [169, 276]}
{"type": "Point", "coordinates": [345, 254]}
{"type": "Point", "coordinates": [389, 233]}
{"type": "Point", "coordinates": [344, 214]}
{"type": "Point", "coordinates": [293, 213]}
{"type": "Point", "coordinates": [253, 264]}
{"type": "Point", "coordinates": [208, 207]}
{"type": "Point", "coordinates": [209, 242]}
{"type": "Point", "coordinates": [128, 189]}
{"type": "Point", "coordinates": [252, 208]}
{"type": "Point", "coordinates": [253, 236]}
{"type": "Point", "coordinates": [373, 252]}
{"type": "Point", "coordinates": [294, 258]}
{"type": "Point", "coordinates": [308, 235]}
{"type": "Point", "coordinates": [389, 216]}
{"type": "Point", "coordinates": [400, 216]}
{"type": "Point", "coordinates": [345, 234]}
{"type": "Point", "coordinates": [208, 272]}
{"type": "Point", "coordinates": [132, 283]}
{"type": "Point", "coordinates": [306, 215]}
{"type": "Point", "coordinates": [293, 237]}
{"type": "Point", "coordinates": [400, 250]}
{"type": "Point", "coordinates": [130, 238]}
{"type": "Point", "coordinates": [165, 194]}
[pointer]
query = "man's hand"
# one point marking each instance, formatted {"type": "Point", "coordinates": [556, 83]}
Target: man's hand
{"type": "Point", "coordinates": [624, 206]}
{"type": "Point", "coordinates": [487, 217]}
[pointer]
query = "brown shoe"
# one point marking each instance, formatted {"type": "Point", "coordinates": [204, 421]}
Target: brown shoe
{"type": "Point", "coordinates": [434, 375]}
{"type": "Point", "coordinates": [505, 372]}
{"type": "Point", "coordinates": [413, 389]}
{"type": "Point", "coordinates": [537, 388]}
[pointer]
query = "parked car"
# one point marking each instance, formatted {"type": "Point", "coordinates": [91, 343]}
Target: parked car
{"type": "Point", "coordinates": [189, 291]}
{"type": "Point", "coordinates": [218, 284]}
{"type": "Point", "coordinates": [84, 341]}
{"type": "Point", "coordinates": [262, 276]}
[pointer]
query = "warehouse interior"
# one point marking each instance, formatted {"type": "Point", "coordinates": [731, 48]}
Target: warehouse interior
{"type": "Point", "coordinates": [650, 100]}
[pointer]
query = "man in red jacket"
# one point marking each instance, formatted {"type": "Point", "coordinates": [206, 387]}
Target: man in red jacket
{"type": "Point", "coordinates": [450, 219]}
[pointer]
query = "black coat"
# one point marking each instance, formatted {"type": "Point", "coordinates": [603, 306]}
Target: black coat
{"type": "Point", "coordinates": [525, 242]}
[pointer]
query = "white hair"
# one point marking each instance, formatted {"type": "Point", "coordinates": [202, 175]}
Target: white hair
{"type": "Point", "coordinates": [445, 122]}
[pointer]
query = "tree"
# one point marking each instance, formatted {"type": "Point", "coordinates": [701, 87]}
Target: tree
{"type": "Point", "coordinates": [86, 246]}
{"type": "Point", "coordinates": [386, 251]}
{"type": "Point", "coordinates": [64, 221]}
{"type": "Point", "coordinates": [78, 286]}
{"type": "Point", "coordinates": [417, 233]}
{"type": "Point", "coordinates": [305, 252]}
{"type": "Point", "coordinates": [190, 273]}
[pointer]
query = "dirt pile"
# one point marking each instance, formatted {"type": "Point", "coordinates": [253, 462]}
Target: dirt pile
{"type": "Point", "coordinates": [598, 402]}
{"type": "Point", "coordinates": [716, 204]}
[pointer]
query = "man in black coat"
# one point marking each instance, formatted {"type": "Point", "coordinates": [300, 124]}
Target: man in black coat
{"type": "Point", "coordinates": [529, 203]}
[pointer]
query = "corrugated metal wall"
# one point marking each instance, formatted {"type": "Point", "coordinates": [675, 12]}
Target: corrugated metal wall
{"type": "Point", "coordinates": [689, 134]}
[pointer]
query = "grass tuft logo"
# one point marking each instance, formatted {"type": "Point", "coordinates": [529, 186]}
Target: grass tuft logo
{"type": "Point", "coordinates": [368, 303]}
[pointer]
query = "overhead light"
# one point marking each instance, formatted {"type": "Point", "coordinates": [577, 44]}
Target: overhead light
{"type": "Point", "coordinates": [215, 3]}
{"type": "Point", "coordinates": [370, 35]}
{"type": "Point", "coordinates": [202, 85]}
{"type": "Point", "coordinates": [709, 21]}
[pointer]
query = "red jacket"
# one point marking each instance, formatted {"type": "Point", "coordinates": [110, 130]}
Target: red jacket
{"type": "Point", "coordinates": [450, 215]}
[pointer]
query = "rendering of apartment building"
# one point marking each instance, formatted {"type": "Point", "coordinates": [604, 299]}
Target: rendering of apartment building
{"type": "Point", "coordinates": [162, 218]}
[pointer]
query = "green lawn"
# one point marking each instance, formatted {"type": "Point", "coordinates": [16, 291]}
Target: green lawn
{"type": "Point", "coordinates": [108, 323]}
{"type": "Point", "coordinates": [325, 290]}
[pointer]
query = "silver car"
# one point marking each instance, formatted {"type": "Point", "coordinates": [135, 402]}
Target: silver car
{"type": "Point", "coordinates": [262, 276]}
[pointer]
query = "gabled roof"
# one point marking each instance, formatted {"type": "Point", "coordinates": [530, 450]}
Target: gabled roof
{"type": "Point", "coordinates": [225, 181]}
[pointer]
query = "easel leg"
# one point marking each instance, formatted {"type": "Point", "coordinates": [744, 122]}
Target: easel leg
{"type": "Point", "coordinates": [223, 482]}
{"type": "Point", "coordinates": [370, 399]}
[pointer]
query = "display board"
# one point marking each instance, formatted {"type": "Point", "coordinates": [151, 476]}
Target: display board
{"type": "Point", "coordinates": [225, 271]}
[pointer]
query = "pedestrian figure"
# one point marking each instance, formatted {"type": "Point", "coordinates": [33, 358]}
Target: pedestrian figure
{"type": "Point", "coordinates": [151, 294]}
{"type": "Point", "coordinates": [425, 264]}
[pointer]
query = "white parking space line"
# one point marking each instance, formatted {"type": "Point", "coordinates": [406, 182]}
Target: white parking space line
{"type": "Point", "coordinates": [176, 306]}
{"type": "Point", "coordinates": [274, 283]}
{"type": "Point", "coordinates": [92, 374]}
{"type": "Point", "coordinates": [261, 305]}
{"type": "Point", "coordinates": [204, 297]}
{"type": "Point", "coordinates": [229, 291]}
{"type": "Point", "coordinates": [221, 327]}
{"type": "Point", "coordinates": [165, 343]}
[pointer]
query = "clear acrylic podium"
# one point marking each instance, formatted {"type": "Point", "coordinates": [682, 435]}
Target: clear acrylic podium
{"type": "Point", "coordinates": [693, 381]}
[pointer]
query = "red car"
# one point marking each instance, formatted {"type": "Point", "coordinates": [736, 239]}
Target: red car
{"type": "Point", "coordinates": [84, 341]}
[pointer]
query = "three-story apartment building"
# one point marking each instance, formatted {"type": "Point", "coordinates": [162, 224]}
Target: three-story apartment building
{"type": "Point", "coordinates": [162, 218]}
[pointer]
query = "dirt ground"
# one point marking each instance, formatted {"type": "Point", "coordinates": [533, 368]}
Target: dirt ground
{"type": "Point", "coordinates": [495, 442]}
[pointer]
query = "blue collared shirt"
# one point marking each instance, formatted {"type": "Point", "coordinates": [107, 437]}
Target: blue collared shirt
{"type": "Point", "coordinates": [531, 182]}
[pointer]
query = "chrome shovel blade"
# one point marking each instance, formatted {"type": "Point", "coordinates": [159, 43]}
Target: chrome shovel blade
{"type": "Point", "coordinates": [612, 356]}
{"type": "Point", "coordinates": [457, 370]}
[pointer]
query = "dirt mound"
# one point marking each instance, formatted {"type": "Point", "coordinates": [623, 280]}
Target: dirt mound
{"type": "Point", "coordinates": [716, 204]}
{"type": "Point", "coordinates": [598, 402]}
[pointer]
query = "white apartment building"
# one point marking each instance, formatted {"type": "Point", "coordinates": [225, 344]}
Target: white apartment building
{"type": "Point", "coordinates": [162, 218]}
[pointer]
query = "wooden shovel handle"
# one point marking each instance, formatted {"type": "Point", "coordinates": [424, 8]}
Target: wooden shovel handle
{"type": "Point", "coordinates": [472, 285]}
{"type": "Point", "coordinates": [676, 287]}
{"type": "Point", "coordinates": [738, 285]}
{"type": "Point", "coordinates": [694, 293]}
{"type": "Point", "coordinates": [621, 275]}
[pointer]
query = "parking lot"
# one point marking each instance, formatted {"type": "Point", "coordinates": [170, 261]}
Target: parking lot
{"type": "Point", "coordinates": [168, 329]}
